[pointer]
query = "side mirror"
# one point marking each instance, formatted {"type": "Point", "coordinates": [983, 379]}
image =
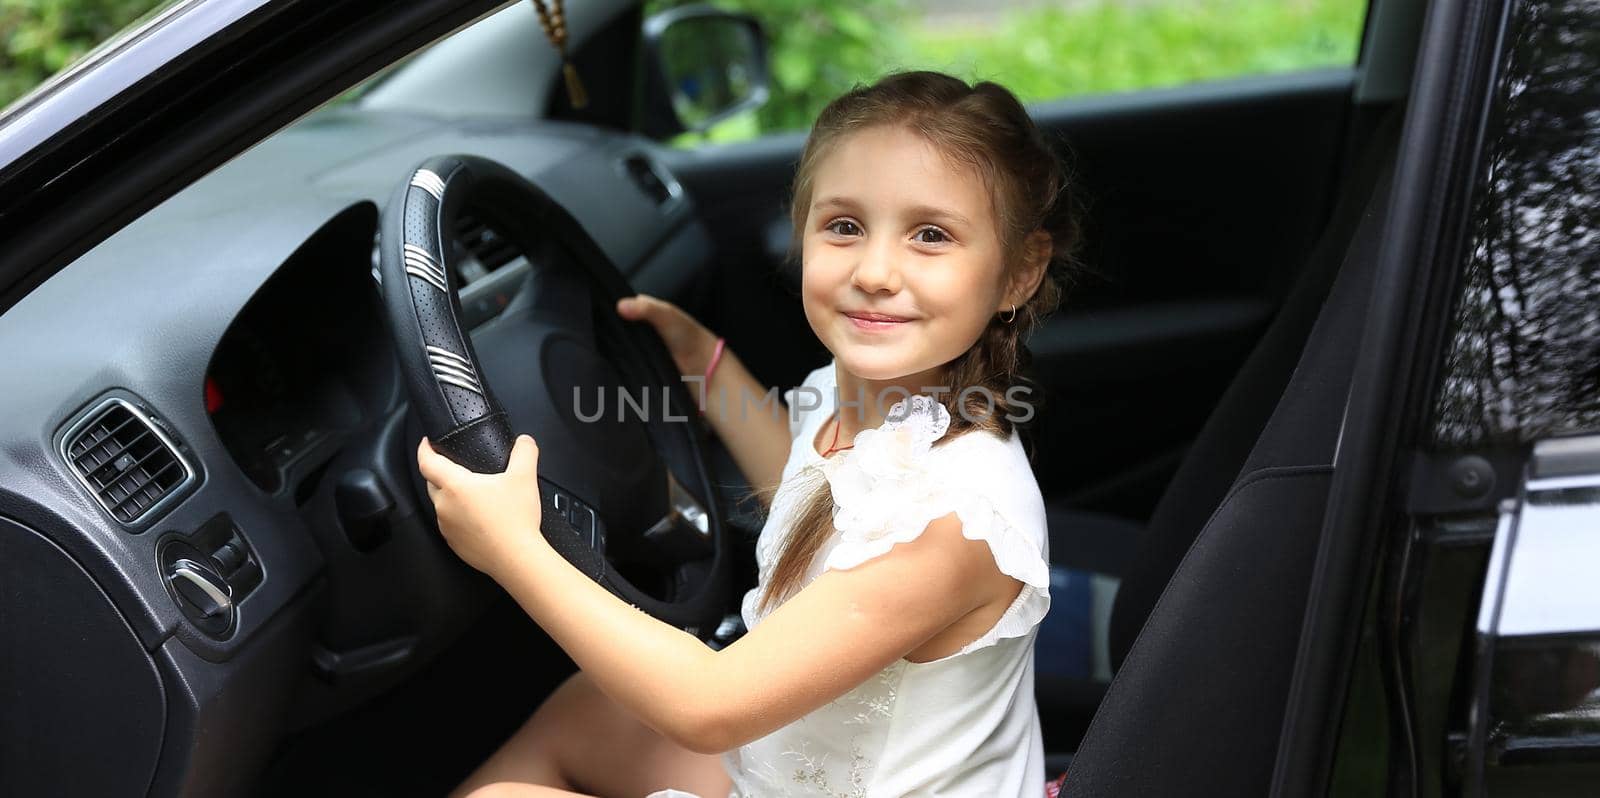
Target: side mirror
{"type": "Point", "coordinates": [702, 65]}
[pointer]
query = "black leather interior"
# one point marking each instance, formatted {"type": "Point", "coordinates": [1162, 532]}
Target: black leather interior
{"type": "Point", "coordinates": [1213, 462]}
{"type": "Point", "coordinates": [1197, 705]}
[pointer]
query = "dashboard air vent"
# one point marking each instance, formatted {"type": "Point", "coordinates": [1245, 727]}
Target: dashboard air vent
{"type": "Point", "coordinates": [490, 248]}
{"type": "Point", "coordinates": [124, 460]}
{"type": "Point", "coordinates": [649, 179]}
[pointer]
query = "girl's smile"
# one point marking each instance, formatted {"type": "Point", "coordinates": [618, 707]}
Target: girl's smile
{"type": "Point", "coordinates": [877, 322]}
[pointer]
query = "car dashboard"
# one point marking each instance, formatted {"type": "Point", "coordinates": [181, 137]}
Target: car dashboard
{"type": "Point", "coordinates": [234, 337]}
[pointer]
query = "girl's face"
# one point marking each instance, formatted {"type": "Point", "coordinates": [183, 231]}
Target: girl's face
{"type": "Point", "coordinates": [895, 231]}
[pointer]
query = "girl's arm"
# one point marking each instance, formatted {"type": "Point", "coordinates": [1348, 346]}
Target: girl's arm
{"type": "Point", "coordinates": [751, 421]}
{"type": "Point", "coordinates": [830, 637]}
{"type": "Point", "coordinates": [841, 629]}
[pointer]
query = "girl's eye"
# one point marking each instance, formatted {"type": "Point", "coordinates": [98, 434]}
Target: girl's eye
{"type": "Point", "coordinates": [843, 227]}
{"type": "Point", "coordinates": [938, 236]}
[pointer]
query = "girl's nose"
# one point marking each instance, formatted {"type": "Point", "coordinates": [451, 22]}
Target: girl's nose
{"type": "Point", "coordinates": [878, 269]}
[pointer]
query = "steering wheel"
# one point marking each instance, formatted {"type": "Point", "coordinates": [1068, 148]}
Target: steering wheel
{"type": "Point", "coordinates": [625, 494]}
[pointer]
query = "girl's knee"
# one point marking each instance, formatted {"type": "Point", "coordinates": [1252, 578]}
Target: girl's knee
{"type": "Point", "coordinates": [575, 690]}
{"type": "Point", "coordinates": [573, 702]}
{"type": "Point", "coordinates": [499, 789]}
{"type": "Point", "coordinates": [511, 789]}
{"type": "Point", "coordinates": [520, 790]}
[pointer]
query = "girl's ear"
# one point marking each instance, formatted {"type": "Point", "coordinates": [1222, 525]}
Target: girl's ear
{"type": "Point", "coordinates": [1025, 281]}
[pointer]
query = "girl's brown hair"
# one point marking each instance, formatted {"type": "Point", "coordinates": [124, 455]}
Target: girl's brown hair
{"type": "Point", "coordinates": [984, 128]}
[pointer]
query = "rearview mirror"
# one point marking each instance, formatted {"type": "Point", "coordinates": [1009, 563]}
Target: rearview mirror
{"type": "Point", "coordinates": [706, 65]}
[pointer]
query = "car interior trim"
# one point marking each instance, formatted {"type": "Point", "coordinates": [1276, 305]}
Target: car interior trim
{"type": "Point", "coordinates": [154, 511]}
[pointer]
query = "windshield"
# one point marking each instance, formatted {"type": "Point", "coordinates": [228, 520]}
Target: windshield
{"type": "Point", "coordinates": [47, 44]}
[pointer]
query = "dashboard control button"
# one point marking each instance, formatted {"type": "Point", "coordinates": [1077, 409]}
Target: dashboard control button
{"type": "Point", "coordinates": [229, 557]}
{"type": "Point", "coordinates": [197, 584]}
{"type": "Point", "coordinates": [583, 520]}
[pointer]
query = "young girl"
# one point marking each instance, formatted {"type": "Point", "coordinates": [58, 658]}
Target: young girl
{"type": "Point", "coordinates": [903, 568]}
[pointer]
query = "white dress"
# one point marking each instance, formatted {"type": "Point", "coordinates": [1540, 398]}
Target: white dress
{"type": "Point", "coordinates": [962, 725]}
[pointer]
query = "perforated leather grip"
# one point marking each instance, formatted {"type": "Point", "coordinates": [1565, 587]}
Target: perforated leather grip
{"type": "Point", "coordinates": [463, 420]}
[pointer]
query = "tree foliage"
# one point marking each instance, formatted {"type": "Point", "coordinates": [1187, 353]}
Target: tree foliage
{"type": "Point", "coordinates": [43, 36]}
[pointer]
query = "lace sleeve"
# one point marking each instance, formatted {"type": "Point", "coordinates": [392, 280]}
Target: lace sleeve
{"type": "Point", "coordinates": [893, 485]}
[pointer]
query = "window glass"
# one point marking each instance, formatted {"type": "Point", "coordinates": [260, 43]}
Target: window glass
{"type": "Point", "coordinates": [1526, 335]}
{"type": "Point", "coordinates": [1040, 50]}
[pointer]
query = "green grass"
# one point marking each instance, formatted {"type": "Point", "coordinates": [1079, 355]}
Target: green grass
{"type": "Point", "coordinates": [1121, 46]}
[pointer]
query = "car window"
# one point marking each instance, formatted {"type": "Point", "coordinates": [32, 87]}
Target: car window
{"type": "Point", "coordinates": [1524, 340]}
{"type": "Point", "coordinates": [1040, 50]}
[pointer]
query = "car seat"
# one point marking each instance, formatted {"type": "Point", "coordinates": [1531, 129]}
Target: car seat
{"type": "Point", "coordinates": [1207, 618]}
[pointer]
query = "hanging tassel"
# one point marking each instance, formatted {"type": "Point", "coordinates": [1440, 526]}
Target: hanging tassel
{"type": "Point", "coordinates": [554, 21]}
{"type": "Point", "coordinates": [575, 92]}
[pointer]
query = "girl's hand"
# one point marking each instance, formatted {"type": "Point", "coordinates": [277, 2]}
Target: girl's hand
{"type": "Point", "coordinates": [488, 519]}
{"type": "Point", "coordinates": [689, 342]}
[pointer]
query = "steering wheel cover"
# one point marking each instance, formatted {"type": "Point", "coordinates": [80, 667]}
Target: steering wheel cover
{"type": "Point", "coordinates": [443, 375]}
{"type": "Point", "coordinates": [441, 365]}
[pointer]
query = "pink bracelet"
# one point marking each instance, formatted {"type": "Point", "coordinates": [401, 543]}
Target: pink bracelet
{"type": "Point", "coordinates": [705, 384]}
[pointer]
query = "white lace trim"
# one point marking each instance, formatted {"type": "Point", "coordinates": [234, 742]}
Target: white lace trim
{"type": "Point", "coordinates": [886, 490]}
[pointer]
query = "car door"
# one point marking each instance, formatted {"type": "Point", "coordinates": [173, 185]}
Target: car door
{"type": "Point", "coordinates": [1514, 434]}
{"type": "Point", "coordinates": [1450, 647]}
